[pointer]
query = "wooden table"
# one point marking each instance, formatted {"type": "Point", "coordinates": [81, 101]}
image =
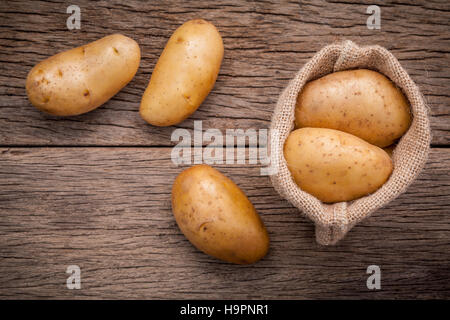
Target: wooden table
{"type": "Point", "coordinates": [94, 190]}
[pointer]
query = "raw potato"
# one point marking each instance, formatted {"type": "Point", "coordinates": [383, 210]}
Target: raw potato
{"type": "Point", "coordinates": [335, 166]}
{"type": "Point", "coordinates": [362, 102]}
{"type": "Point", "coordinates": [81, 79]}
{"type": "Point", "coordinates": [184, 74]}
{"type": "Point", "coordinates": [216, 216]}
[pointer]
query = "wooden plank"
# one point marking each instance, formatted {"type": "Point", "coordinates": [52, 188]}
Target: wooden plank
{"type": "Point", "coordinates": [266, 43]}
{"type": "Point", "coordinates": [108, 211]}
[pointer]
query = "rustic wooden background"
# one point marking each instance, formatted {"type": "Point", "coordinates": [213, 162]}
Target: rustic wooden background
{"type": "Point", "coordinates": [94, 190]}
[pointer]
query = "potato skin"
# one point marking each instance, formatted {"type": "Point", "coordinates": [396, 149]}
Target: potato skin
{"type": "Point", "coordinates": [335, 166]}
{"type": "Point", "coordinates": [362, 102]}
{"type": "Point", "coordinates": [81, 79]}
{"type": "Point", "coordinates": [184, 74]}
{"type": "Point", "coordinates": [216, 216]}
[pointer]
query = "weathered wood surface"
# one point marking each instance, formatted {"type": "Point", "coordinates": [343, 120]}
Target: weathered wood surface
{"type": "Point", "coordinates": [108, 210]}
{"type": "Point", "coordinates": [266, 43]}
{"type": "Point", "coordinates": [94, 190]}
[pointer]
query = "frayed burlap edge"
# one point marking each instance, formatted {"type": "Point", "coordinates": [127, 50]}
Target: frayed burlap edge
{"type": "Point", "coordinates": [333, 221]}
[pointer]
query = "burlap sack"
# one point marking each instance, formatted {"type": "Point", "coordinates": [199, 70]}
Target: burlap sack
{"type": "Point", "coordinates": [333, 221]}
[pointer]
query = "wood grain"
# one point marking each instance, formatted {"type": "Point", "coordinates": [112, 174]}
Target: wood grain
{"type": "Point", "coordinates": [266, 43]}
{"type": "Point", "coordinates": [94, 190]}
{"type": "Point", "coordinates": [108, 211]}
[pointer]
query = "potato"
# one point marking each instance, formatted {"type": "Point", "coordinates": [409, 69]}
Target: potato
{"type": "Point", "coordinates": [216, 216]}
{"type": "Point", "coordinates": [362, 102]}
{"type": "Point", "coordinates": [184, 74]}
{"type": "Point", "coordinates": [335, 166]}
{"type": "Point", "coordinates": [81, 79]}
